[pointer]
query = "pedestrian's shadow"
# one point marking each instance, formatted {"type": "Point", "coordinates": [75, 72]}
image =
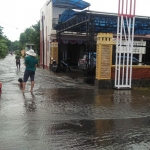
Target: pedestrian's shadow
{"type": "Point", "coordinates": [29, 103]}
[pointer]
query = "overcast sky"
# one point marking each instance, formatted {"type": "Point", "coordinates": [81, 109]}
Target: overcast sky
{"type": "Point", "coordinates": [17, 15]}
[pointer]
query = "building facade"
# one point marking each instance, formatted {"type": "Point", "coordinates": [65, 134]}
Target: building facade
{"type": "Point", "coordinates": [48, 14]}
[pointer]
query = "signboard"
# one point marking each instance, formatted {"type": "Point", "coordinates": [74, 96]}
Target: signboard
{"type": "Point", "coordinates": [104, 62]}
{"type": "Point", "coordinates": [139, 47]}
{"type": "Point", "coordinates": [105, 70]}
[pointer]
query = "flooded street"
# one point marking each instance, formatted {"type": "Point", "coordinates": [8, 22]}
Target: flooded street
{"type": "Point", "coordinates": [63, 113]}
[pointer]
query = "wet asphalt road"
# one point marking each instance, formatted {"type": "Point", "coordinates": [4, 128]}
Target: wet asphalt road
{"type": "Point", "coordinates": [63, 113]}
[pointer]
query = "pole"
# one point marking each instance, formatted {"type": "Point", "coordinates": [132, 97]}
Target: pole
{"type": "Point", "coordinates": [43, 35]}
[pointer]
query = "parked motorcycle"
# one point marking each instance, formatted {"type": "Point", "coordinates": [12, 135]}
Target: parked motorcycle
{"type": "Point", "coordinates": [55, 66]}
{"type": "Point", "coordinates": [64, 65]}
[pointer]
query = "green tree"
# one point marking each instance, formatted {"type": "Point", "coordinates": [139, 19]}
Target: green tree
{"type": "Point", "coordinates": [1, 32]}
{"type": "Point", "coordinates": [22, 41]}
{"type": "Point", "coordinates": [31, 35]}
{"type": "Point", "coordinates": [3, 48]}
{"type": "Point", "coordinates": [36, 37]}
{"type": "Point", "coordinates": [15, 46]}
{"type": "Point", "coordinates": [4, 44]}
{"type": "Point", "coordinates": [7, 42]}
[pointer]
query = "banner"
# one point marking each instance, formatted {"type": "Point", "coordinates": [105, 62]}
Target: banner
{"type": "Point", "coordinates": [79, 42]}
{"type": "Point", "coordinates": [72, 42]}
{"type": "Point", "coordinates": [65, 41]}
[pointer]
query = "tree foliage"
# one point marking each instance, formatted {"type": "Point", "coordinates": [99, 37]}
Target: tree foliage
{"type": "Point", "coordinates": [36, 36]}
{"type": "Point", "coordinates": [4, 44]}
{"type": "Point", "coordinates": [1, 33]}
{"type": "Point", "coordinates": [22, 41]}
{"type": "Point", "coordinates": [31, 35]}
{"type": "Point", "coordinates": [14, 46]}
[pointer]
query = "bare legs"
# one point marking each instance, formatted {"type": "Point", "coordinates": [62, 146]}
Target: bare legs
{"type": "Point", "coordinates": [24, 84]}
{"type": "Point", "coordinates": [32, 85]}
{"type": "Point", "coordinates": [27, 74]}
{"type": "Point", "coordinates": [18, 65]}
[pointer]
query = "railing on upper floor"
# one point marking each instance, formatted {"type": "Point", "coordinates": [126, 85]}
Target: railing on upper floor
{"type": "Point", "coordinates": [54, 22]}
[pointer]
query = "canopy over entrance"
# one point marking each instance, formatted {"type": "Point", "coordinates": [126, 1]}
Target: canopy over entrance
{"type": "Point", "coordinates": [90, 23]}
{"type": "Point", "coordinates": [71, 4]}
{"type": "Point", "coordinates": [102, 22]}
{"type": "Point", "coordinates": [67, 14]}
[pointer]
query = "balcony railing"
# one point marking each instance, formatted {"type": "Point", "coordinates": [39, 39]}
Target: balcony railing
{"type": "Point", "coordinates": [54, 22]}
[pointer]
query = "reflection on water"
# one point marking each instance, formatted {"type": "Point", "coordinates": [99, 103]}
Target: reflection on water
{"type": "Point", "coordinates": [122, 96]}
{"type": "Point", "coordinates": [29, 103]}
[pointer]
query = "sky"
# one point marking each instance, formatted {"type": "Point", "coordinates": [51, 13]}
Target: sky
{"type": "Point", "coordinates": [17, 15]}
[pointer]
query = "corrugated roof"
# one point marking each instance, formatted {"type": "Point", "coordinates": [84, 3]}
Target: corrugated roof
{"type": "Point", "coordinates": [66, 15]}
{"type": "Point", "coordinates": [103, 22]}
{"type": "Point", "coordinates": [71, 4]}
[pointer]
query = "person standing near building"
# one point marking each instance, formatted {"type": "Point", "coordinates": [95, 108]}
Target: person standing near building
{"type": "Point", "coordinates": [30, 63]}
{"type": "Point", "coordinates": [17, 61]}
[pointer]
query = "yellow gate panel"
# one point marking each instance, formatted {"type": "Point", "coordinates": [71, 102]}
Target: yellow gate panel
{"type": "Point", "coordinates": [105, 38]}
{"type": "Point", "coordinates": [54, 51]}
{"type": "Point", "coordinates": [104, 56]}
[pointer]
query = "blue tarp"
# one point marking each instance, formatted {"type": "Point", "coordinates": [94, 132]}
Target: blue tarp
{"type": "Point", "coordinates": [71, 4]}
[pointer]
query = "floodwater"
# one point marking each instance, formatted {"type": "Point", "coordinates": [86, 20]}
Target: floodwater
{"type": "Point", "coordinates": [63, 113]}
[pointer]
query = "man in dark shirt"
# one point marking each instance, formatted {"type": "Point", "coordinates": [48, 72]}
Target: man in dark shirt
{"type": "Point", "coordinates": [17, 61]}
{"type": "Point", "coordinates": [30, 63]}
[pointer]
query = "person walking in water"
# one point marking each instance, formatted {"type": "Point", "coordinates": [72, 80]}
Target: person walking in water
{"type": "Point", "coordinates": [17, 61]}
{"type": "Point", "coordinates": [30, 63]}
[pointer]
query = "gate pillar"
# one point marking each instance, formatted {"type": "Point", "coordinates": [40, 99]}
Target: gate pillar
{"type": "Point", "coordinates": [104, 60]}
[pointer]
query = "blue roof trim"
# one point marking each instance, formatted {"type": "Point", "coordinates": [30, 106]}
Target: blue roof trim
{"type": "Point", "coordinates": [71, 4]}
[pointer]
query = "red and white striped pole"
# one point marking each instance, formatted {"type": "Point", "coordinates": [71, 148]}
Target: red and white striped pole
{"type": "Point", "coordinates": [125, 30]}
{"type": "Point", "coordinates": [126, 9]}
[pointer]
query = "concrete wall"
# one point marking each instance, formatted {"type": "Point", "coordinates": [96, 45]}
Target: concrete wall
{"type": "Point", "coordinates": [48, 12]}
{"type": "Point", "coordinates": [138, 72]}
{"type": "Point", "coordinates": [140, 78]}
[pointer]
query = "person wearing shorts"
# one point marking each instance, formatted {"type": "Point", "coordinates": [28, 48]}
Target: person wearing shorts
{"type": "Point", "coordinates": [18, 61]}
{"type": "Point", "coordinates": [30, 63]}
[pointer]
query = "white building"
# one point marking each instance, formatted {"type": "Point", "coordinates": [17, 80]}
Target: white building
{"type": "Point", "coordinates": [49, 15]}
